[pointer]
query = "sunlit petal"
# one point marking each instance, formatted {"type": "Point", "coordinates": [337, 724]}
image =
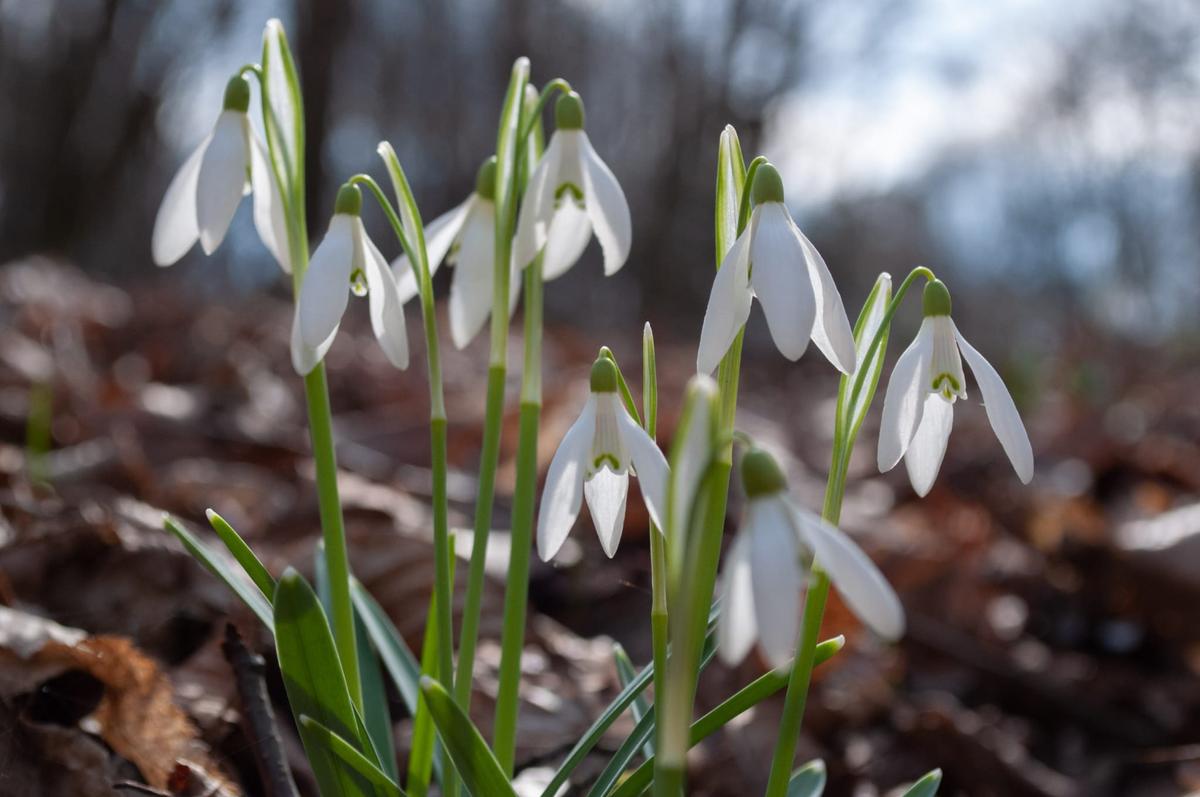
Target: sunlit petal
{"type": "Point", "coordinates": [650, 464]}
{"type": "Point", "coordinates": [728, 306]}
{"type": "Point", "coordinates": [175, 227]}
{"type": "Point", "coordinates": [563, 492]}
{"type": "Point", "coordinates": [326, 287]}
{"type": "Point", "coordinates": [606, 493]}
{"type": "Point", "coordinates": [383, 298]}
{"type": "Point", "coordinates": [736, 627]}
{"type": "Point", "coordinates": [269, 217]}
{"type": "Point", "coordinates": [537, 204]}
{"type": "Point", "coordinates": [780, 279]}
{"type": "Point", "coordinates": [904, 400]}
{"type": "Point", "coordinates": [778, 577]}
{"type": "Point", "coordinates": [305, 357]}
{"type": "Point", "coordinates": [924, 456]}
{"type": "Point", "coordinates": [831, 329]}
{"type": "Point", "coordinates": [606, 207]}
{"type": "Point", "coordinates": [222, 179]}
{"type": "Point", "coordinates": [471, 286]}
{"type": "Point", "coordinates": [567, 236]}
{"type": "Point", "coordinates": [1001, 411]}
{"type": "Point", "coordinates": [440, 235]}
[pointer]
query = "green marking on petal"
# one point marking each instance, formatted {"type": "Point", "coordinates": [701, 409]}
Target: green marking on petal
{"type": "Point", "coordinates": [568, 188]}
{"type": "Point", "coordinates": [610, 459]}
{"type": "Point", "coordinates": [358, 282]}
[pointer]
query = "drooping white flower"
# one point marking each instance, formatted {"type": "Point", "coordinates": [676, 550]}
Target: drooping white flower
{"type": "Point", "coordinates": [918, 408]}
{"type": "Point", "coordinates": [206, 191]}
{"type": "Point", "coordinates": [347, 260]}
{"type": "Point", "coordinates": [571, 194]}
{"type": "Point", "coordinates": [465, 237]}
{"type": "Point", "coordinates": [594, 461]}
{"type": "Point", "coordinates": [774, 261]}
{"type": "Point", "coordinates": [769, 566]}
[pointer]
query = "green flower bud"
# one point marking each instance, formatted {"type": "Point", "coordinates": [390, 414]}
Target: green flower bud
{"type": "Point", "coordinates": [761, 474]}
{"type": "Point", "coordinates": [568, 112]}
{"type": "Point", "coordinates": [349, 200]}
{"type": "Point", "coordinates": [604, 376]}
{"type": "Point", "coordinates": [936, 300]}
{"type": "Point", "coordinates": [768, 185]}
{"type": "Point", "coordinates": [237, 94]}
{"type": "Point", "coordinates": [485, 179]}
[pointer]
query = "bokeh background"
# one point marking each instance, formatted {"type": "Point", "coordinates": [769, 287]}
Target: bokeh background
{"type": "Point", "coordinates": [1042, 157]}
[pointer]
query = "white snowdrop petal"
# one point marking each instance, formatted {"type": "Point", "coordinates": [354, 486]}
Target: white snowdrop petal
{"type": "Point", "coordinates": [1001, 411]}
{"type": "Point", "coordinates": [781, 281]}
{"type": "Point", "coordinates": [305, 357]}
{"type": "Point", "coordinates": [728, 305]}
{"type": "Point", "coordinates": [606, 493]}
{"type": "Point", "coordinates": [175, 227]}
{"type": "Point", "coordinates": [923, 459]}
{"type": "Point", "coordinates": [606, 206]}
{"type": "Point", "coordinates": [904, 400]}
{"type": "Point", "coordinates": [831, 329]}
{"type": "Point", "coordinates": [326, 287]}
{"type": "Point", "coordinates": [383, 299]}
{"type": "Point", "coordinates": [471, 286]}
{"type": "Point", "coordinates": [648, 461]}
{"type": "Point", "coordinates": [222, 179]}
{"type": "Point", "coordinates": [736, 627]}
{"type": "Point", "coordinates": [857, 579]}
{"type": "Point", "coordinates": [537, 204]}
{"type": "Point", "coordinates": [778, 580]}
{"type": "Point", "coordinates": [269, 217]}
{"type": "Point", "coordinates": [567, 236]}
{"type": "Point", "coordinates": [563, 492]}
{"type": "Point", "coordinates": [440, 235]}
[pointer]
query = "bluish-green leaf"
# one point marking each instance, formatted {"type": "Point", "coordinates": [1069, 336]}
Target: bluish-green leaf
{"type": "Point", "coordinates": [808, 780]}
{"type": "Point", "coordinates": [237, 581]}
{"type": "Point", "coordinates": [316, 686]}
{"type": "Point", "coordinates": [850, 417]}
{"type": "Point", "coordinates": [479, 769]}
{"type": "Point", "coordinates": [626, 672]}
{"type": "Point", "coordinates": [424, 755]}
{"type": "Point", "coordinates": [345, 751]}
{"type": "Point", "coordinates": [731, 180]}
{"type": "Point", "coordinates": [927, 786]}
{"type": "Point", "coordinates": [243, 554]}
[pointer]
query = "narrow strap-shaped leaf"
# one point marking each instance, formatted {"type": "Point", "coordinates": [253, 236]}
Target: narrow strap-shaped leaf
{"type": "Point", "coordinates": [731, 178]}
{"type": "Point", "coordinates": [283, 109]}
{"type": "Point", "coordinates": [350, 756]}
{"type": "Point", "coordinates": [850, 418]}
{"type": "Point", "coordinates": [237, 582]}
{"type": "Point", "coordinates": [927, 786]}
{"type": "Point", "coordinates": [242, 553]}
{"type": "Point", "coordinates": [479, 769]}
{"type": "Point", "coordinates": [424, 749]}
{"type": "Point", "coordinates": [315, 683]}
{"type": "Point", "coordinates": [398, 659]}
{"type": "Point", "coordinates": [808, 780]}
{"type": "Point", "coordinates": [747, 697]}
{"type": "Point", "coordinates": [607, 717]}
{"type": "Point", "coordinates": [626, 673]}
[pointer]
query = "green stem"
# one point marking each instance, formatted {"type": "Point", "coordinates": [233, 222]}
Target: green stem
{"type": "Point", "coordinates": [516, 594]}
{"type": "Point", "coordinates": [659, 618]}
{"type": "Point", "coordinates": [818, 590]}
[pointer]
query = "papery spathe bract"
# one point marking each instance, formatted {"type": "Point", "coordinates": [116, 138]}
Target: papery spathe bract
{"type": "Point", "coordinates": [918, 408]}
{"type": "Point", "coordinates": [594, 461]}
{"type": "Point", "coordinates": [347, 260]}
{"type": "Point", "coordinates": [205, 193]}
{"type": "Point", "coordinates": [774, 261]}
{"type": "Point", "coordinates": [465, 237]}
{"type": "Point", "coordinates": [769, 566]}
{"type": "Point", "coordinates": [572, 193]}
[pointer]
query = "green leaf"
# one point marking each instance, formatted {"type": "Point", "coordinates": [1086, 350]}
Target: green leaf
{"type": "Point", "coordinates": [747, 697]}
{"type": "Point", "coordinates": [283, 111]}
{"type": "Point", "coordinates": [351, 757]}
{"type": "Point", "coordinates": [808, 780]}
{"type": "Point", "coordinates": [219, 567]}
{"type": "Point", "coordinates": [242, 553]}
{"type": "Point", "coordinates": [874, 308]}
{"type": "Point", "coordinates": [424, 750]}
{"type": "Point", "coordinates": [626, 673]}
{"type": "Point", "coordinates": [649, 381]}
{"type": "Point", "coordinates": [316, 685]}
{"type": "Point", "coordinates": [479, 769]}
{"type": "Point", "coordinates": [927, 786]}
{"type": "Point", "coordinates": [731, 180]}
{"type": "Point", "coordinates": [398, 659]}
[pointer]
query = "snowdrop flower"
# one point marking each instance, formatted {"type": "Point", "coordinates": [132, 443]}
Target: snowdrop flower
{"type": "Point", "coordinates": [571, 193]}
{"type": "Point", "coordinates": [346, 261]}
{"type": "Point", "coordinates": [202, 198]}
{"type": "Point", "coordinates": [594, 460]}
{"type": "Point", "coordinates": [918, 409]}
{"type": "Point", "coordinates": [773, 260]}
{"type": "Point", "coordinates": [769, 566]}
{"type": "Point", "coordinates": [465, 237]}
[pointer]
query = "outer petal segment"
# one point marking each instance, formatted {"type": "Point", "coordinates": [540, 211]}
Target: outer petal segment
{"type": "Point", "coordinates": [905, 399]}
{"type": "Point", "coordinates": [606, 207]}
{"type": "Point", "coordinates": [736, 626]}
{"type": "Point", "coordinates": [269, 217]}
{"type": "Point", "coordinates": [650, 464]}
{"type": "Point", "coordinates": [778, 577]}
{"type": "Point", "coordinates": [781, 280]}
{"type": "Point", "coordinates": [1001, 411]}
{"type": "Point", "coordinates": [326, 287]}
{"type": "Point", "coordinates": [831, 330]}
{"type": "Point", "coordinates": [563, 492]}
{"type": "Point", "coordinates": [175, 227]}
{"type": "Point", "coordinates": [222, 180]}
{"type": "Point", "coordinates": [387, 310]}
{"type": "Point", "coordinates": [439, 239]}
{"type": "Point", "coordinates": [728, 305]}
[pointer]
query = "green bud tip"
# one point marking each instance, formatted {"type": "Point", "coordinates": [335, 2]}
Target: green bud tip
{"type": "Point", "coordinates": [485, 179]}
{"type": "Point", "coordinates": [349, 200]}
{"type": "Point", "coordinates": [568, 112]}
{"type": "Point", "coordinates": [604, 376]}
{"type": "Point", "coordinates": [936, 300]}
{"type": "Point", "coordinates": [237, 94]}
{"type": "Point", "coordinates": [761, 474]}
{"type": "Point", "coordinates": [768, 185]}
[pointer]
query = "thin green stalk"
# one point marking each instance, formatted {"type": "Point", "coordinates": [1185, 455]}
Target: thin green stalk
{"type": "Point", "coordinates": [659, 618]}
{"type": "Point", "coordinates": [516, 593]}
{"type": "Point", "coordinates": [506, 198]}
{"type": "Point", "coordinates": [818, 590]}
